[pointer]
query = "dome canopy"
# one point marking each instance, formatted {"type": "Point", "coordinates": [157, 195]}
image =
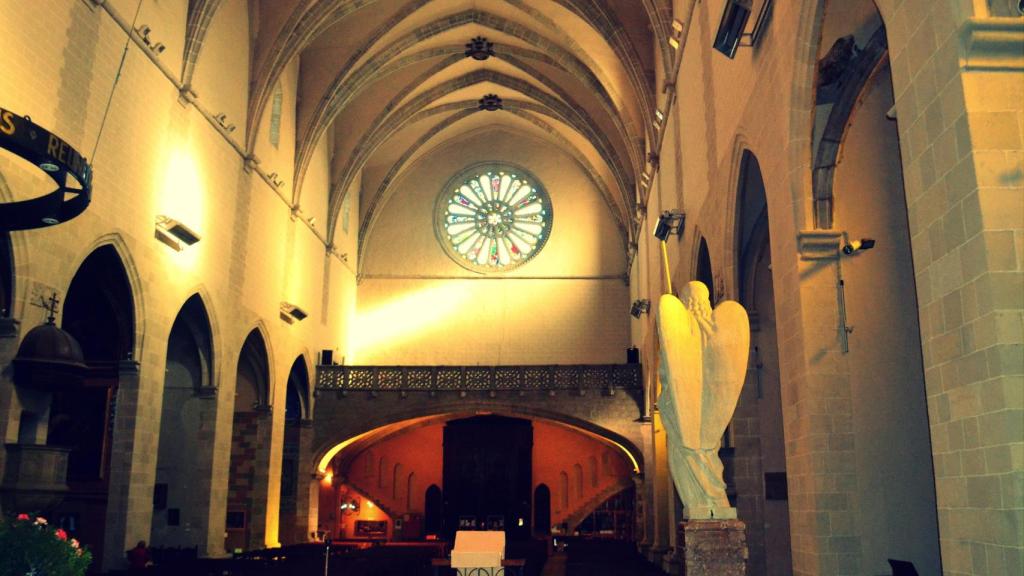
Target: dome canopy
{"type": "Point", "coordinates": [48, 356]}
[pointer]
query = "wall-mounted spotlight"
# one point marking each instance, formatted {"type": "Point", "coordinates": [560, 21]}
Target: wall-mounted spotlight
{"type": "Point", "coordinates": [677, 33]}
{"type": "Point", "coordinates": [641, 306]}
{"type": "Point", "coordinates": [732, 30]}
{"type": "Point", "coordinates": [670, 222]}
{"type": "Point", "coordinates": [659, 119]}
{"type": "Point", "coordinates": [143, 32]}
{"type": "Point", "coordinates": [222, 120]}
{"type": "Point", "coordinates": [858, 245]}
{"type": "Point", "coordinates": [175, 234]}
{"type": "Point", "coordinates": [291, 312]}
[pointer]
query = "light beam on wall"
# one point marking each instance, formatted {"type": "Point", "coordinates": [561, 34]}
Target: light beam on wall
{"type": "Point", "coordinates": [406, 317]}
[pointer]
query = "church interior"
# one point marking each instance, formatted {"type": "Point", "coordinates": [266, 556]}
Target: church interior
{"type": "Point", "coordinates": [357, 275]}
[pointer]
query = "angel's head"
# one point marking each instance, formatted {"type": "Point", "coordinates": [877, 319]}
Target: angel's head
{"type": "Point", "coordinates": [697, 298]}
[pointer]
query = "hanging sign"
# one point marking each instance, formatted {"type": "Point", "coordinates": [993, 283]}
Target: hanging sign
{"type": "Point", "coordinates": [58, 160]}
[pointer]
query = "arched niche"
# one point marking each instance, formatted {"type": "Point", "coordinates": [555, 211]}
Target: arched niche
{"type": "Point", "coordinates": [184, 453]}
{"type": "Point", "coordinates": [759, 458]}
{"type": "Point", "coordinates": [859, 171]}
{"type": "Point", "coordinates": [704, 271]}
{"type": "Point", "coordinates": [99, 313]}
{"type": "Point", "coordinates": [542, 510]}
{"type": "Point", "coordinates": [250, 447]}
{"type": "Point", "coordinates": [295, 499]}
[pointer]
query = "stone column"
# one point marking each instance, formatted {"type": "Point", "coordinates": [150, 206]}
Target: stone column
{"type": "Point", "coordinates": [662, 493]}
{"type": "Point", "coordinates": [132, 466]}
{"type": "Point", "coordinates": [306, 505]}
{"type": "Point", "coordinates": [213, 460]}
{"type": "Point", "coordinates": [261, 499]}
{"type": "Point", "coordinates": [712, 548]}
{"type": "Point", "coordinates": [8, 349]}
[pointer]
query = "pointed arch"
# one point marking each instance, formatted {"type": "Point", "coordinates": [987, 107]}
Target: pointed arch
{"type": "Point", "coordinates": [254, 360]}
{"type": "Point", "coordinates": [200, 14]}
{"type": "Point", "coordinates": [116, 242]}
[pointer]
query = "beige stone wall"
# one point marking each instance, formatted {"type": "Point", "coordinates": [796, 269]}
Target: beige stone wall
{"type": "Point", "coordinates": [957, 84]}
{"type": "Point", "coordinates": [159, 155]}
{"type": "Point", "coordinates": [567, 305]}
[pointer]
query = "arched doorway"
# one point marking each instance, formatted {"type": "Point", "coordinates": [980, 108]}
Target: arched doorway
{"type": "Point", "coordinates": [250, 447]}
{"type": "Point", "coordinates": [99, 312]}
{"type": "Point", "coordinates": [295, 493]}
{"type": "Point", "coordinates": [759, 458]}
{"type": "Point", "coordinates": [542, 510]}
{"type": "Point", "coordinates": [430, 447]}
{"type": "Point", "coordinates": [859, 193]}
{"type": "Point", "coordinates": [433, 511]}
{"type": "Point", "coordinates": [181, 495]}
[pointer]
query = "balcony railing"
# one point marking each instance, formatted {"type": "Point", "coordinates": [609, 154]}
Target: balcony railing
{"type": "Point", "coordinates": [603, 377]}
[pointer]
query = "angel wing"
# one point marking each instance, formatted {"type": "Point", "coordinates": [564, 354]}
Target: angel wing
{"type": "Point", "coordinates": [680, 400]}
{"type": "Point", "coordinates": [724, 369]}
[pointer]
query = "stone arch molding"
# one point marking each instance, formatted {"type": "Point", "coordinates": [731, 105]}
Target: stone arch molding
{"type": "Point", "coordinates": [116, 241]}
{"type": "Point", "coordinates": [330, 441]}
{"type": "Point", "coordinates": [216, 346]}
{"type": "Point", "coordinates": [871, 59]}
{"type": "Point", "coordinates": [260, 328]}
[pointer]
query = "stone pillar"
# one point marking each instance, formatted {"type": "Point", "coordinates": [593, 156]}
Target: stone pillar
{"type": "Point", "coordinates": [208, 504]}
{"type": "Point", "coordinates": [962, 162]}
{"type": "Point", "coordinates": [8, 348]}
{"type": "Point", "coordinates": [662, 495]}
{"type": "Point", "coordinates": [261, 500]}
{"type": "Point", "coordinates": [132, 469]}
{"type": "Point", "coordinates": [670, 561]}
{"type": "Point", "coordinates": [712, 548]}
{"type": "Point", "coordinates": [306, 505]}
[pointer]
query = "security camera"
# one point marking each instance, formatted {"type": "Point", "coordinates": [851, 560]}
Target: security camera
{"type": "Point", "coordinates": [858, 245]}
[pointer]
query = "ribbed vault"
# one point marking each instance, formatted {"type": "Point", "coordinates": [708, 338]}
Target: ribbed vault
{"type": "Point", "coordinates": [381, 83]}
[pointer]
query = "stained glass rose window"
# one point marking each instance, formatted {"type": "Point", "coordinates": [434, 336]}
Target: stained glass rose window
{"type": "Point", "coordinates": [493, 220]}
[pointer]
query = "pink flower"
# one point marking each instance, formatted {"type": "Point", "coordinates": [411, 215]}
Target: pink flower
{"type": "Point", "coordinates": [61, 534]}
{"type": "Point", "coordinates": [40, 521]}
{"type": "Point", "coordinates": [75, 545]}
{"type": "Point", "coordinates": [22, 516]}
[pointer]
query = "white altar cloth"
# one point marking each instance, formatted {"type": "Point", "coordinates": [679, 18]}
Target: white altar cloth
{"type": "Point", "coordinates": [478, 549]}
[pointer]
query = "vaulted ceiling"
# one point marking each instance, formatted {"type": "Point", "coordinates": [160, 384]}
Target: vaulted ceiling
{"type": "Point", "coordinates": [386, 81]}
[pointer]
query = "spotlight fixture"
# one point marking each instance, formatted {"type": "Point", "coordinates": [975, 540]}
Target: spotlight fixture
{"type": "Point", "coordinates": [732, 29]}
{"type": "Point", "coordinates": [175, 234]}
{"type": "Point", "coordinates": [490, 102]}
{"type": "Point", "coordinates": [222, 120]}
{"type": "Point", "coordinates": [670, 222]}
{"type": "Point", "coordinates": [641, 306]}
{"type": "Point", "coordinates": [158, 47]}
{"type": "Point", "coordinates": [479, 48]}
{"type": "Point", "coordinates": [858, 245]}
{"type": "Point", "coordinates": [291, 312]}
{"type": "Point", "coordinates": [677, 33]}
{"type": "Point", "coordinates": [350, 506]}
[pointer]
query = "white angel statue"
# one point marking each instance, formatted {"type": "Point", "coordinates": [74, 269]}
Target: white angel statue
{"type": "Point", "coordinates": [703, 365]}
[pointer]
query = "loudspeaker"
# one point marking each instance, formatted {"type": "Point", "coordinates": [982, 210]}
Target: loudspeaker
{"type": "Point", "coordinates": [326, 357]}
{"type": "Point", "coordinates": [632, 355]}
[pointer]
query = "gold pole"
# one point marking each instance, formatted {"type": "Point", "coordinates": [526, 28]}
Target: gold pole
{"type": "Point", "coordinates": [668, 273]}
